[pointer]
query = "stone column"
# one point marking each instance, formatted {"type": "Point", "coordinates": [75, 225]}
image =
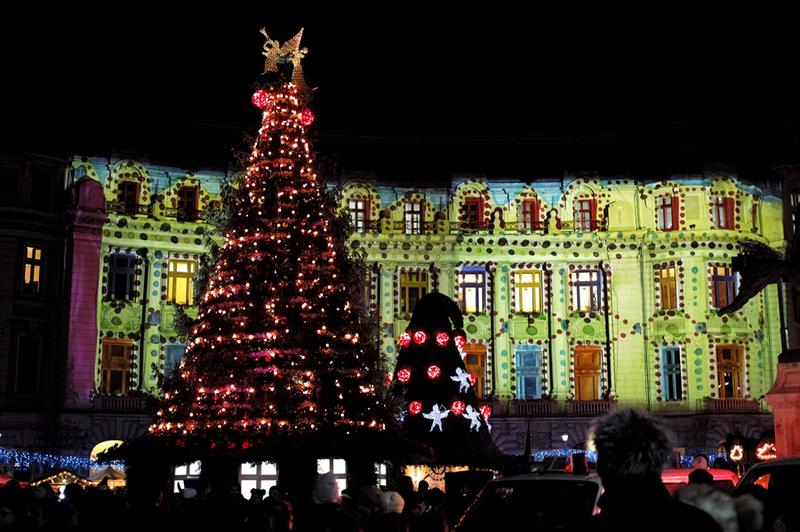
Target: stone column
{"type": "Point", "coordinates": [85, 238]}
{"type": "Point", "coordinates": [784, 398]}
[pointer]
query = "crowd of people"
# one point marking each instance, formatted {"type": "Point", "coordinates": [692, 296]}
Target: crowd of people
{"type": "Point", "coordinates": [366, 509]}
{"type": "Point", "coordinates": [630, 450]}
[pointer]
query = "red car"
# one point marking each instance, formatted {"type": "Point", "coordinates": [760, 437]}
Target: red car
{"type": "Point", "coordinates": [675, 479]}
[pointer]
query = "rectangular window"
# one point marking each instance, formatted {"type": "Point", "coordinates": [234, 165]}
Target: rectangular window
{"type": "Point", "coordinates": [667, 213]}
{"type": "Point", "coordinates": [528, 291]}
{"type": "Point", "coordinates": [115, 366]}
{"type": "Point", "coordinates": [585, 215]}
{"type": "Point", "coordinates": [472, 290]}
{"type": "Point", "coordinates": [729, 372]}
{"type": "Point", "coordinates": [128, 196]}
{"type": "Point", "coordinates": [586, 290]}
{"type": "Point", "coordinates": [587, 373]}
{"type": "Point", "coordinates": [475, 363]}
{"type": "Point", "coordinates": [473, 214]}
{"type": "Point", "coordinates": [187, 203]}
{"type": "Point", "coordinates": [29, 353]}
{"type": "Point", "coordinates": [172, 357]}
{"type": "Point", "coordinates": [413, 218]}
{"type": "Point", "coordinates": [179, 287]}
{"type": "Point", "coordinates": [32, 270]}
{"type": "Point", "coordinates": [724, 285]}
{"type": "Point", "coordinates": [258, 475]}
{"type": "Point", "coordinates": [337, 467]}
{"type": "Point", "coordinates": [529, 372]}
{"type": "Point", "coordinates": [668, 286]}
{"type": "Point", "coordinates": [121, 273]}
{"type": "Point", "coordinates": [529, 215]}
{"type": "Point", "coordinates": [358, 214]}
{"type": "Point", "coordinates": [671, 374]}
{"type": "Point", "coordinates": [722, 212]}
{"type": "Point", "coordinates": [413, 285]}
{"type": "Point", "coordinates": [184, 473]}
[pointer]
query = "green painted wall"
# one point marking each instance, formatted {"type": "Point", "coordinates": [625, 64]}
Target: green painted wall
{"type": "Point", "coordinates": [628, 244]}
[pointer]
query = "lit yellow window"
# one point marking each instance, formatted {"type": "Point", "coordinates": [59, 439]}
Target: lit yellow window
{"type": "Point", "coordinates": [413, 285]}
{"type": "Point", "coordinates": [472, 290]}
{"type": "Point", "coordinates": [179, 287]}
{"type": "Point", "coordinates": [528, 291]}
{"type": "Point", "coordinates": [32, 270]}
{"type": "Point", "coordinates": [668, 287]}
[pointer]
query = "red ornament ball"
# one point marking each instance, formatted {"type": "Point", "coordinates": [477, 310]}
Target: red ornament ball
{"type": "Point", "coordinates": [434, 372]}
{"type": "Point", "coordinates": [458, 407]}
{"type": "Point", "coordinates": [403, 375]}
{"type": "Point", "coordinates": [414, 407]}
{"type": "Point", "coordinates": [486, 411]}
{"type": "Point", "coordinates": [260, 98]}
{"type": "Point", "coordinates": [442, 338]}
{"type": "Point", "coordinates": [420, 337]}
{"type": "Point", "coordinates": [404, 340]}
{"type": "Point", "coordinates": [460, 341]}
{"type": "Point", "coordinates": [306, 117]}
{"type": "Point", "coordinates": [246, 444]}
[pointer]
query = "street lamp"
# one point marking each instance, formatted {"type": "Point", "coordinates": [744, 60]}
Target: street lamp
{"type": "Point", "coordinates": [564, 438]}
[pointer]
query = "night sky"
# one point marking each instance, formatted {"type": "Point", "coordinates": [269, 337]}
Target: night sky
{"type": "Point", "coordinates": [409, 94]}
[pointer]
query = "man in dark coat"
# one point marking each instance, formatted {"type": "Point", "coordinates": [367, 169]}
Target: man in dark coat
{"type": "Point", "coordinates": [630, 452]}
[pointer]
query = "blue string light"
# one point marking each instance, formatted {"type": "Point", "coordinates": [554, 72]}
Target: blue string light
{"type": "Point", "coordinates": [24, 460]}
{"type": "Point", "coordinates": [539, 456]}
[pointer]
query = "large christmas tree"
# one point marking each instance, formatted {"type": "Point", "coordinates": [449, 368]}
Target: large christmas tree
{"type": "Point", "coordinates": [278, 351]}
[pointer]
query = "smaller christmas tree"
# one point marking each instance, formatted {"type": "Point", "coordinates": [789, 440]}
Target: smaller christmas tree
{"type": "Point", "coordinates": [441, 408]}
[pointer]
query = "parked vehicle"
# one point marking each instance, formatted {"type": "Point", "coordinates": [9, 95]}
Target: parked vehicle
{"type": "Point", "coordinates": [781, 480]}
{"type": "Point", "coordinates": [675, 479]}
{"type": "Point", "coordinates": [547, 501]}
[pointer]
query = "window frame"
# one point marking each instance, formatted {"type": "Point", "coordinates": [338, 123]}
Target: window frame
{"type": "Point", "coordinates": [669, 282]}
{"type": "Point", "coordinates": [173, 276]}
{"type": "Point", "coordinates": [529, 215]}
{"type": "Point", "coordinates": [593, 284]}
{"type": "Point", "coordinates": [127, 200]}
{"type": "Point", "coordinates": [473, 213]}
{"type": "Point", "coordinates": [585, 210]}
{"type": "Point", "coordinates": [526, 371]}
{"type": "Point", "coordinates": [729, 279]}
{"type": "Point", "coordinates": [736, 371]}
{"type": "Point", "coordinates": [115, 271]}
{"type": "Point", "coordinates": [37, 266]}
{"type": "Point", "coordinates": [666, 211]}
{"type": "Point", "coordinates": [671, 373]}
{"type": "Point", "coordinates": [413, 217]}
{"type": "Point", "coordinates": [722, 212]}
{"type": "Point", "coordinates": [358, 214]}
{"type": "Point", "coordinates": [106, 368]}
{"type": "Point", "coordinates": [406, 283]}
{"type": "Point", "coordinates": [536, 286]}
{"type": "Point", "coordinates": [182, 211]}
{"type": "Point", "coordinates": [479, 285]}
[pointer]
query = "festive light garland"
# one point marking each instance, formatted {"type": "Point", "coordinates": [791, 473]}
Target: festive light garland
{"type": "Point", "coordinates": [24, 460]}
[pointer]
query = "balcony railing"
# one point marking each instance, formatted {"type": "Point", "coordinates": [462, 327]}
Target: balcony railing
{"type": "Point", "coordinates": [531, 408]}
{"type": "Point", "coordinates": [185, 215]}
{"type": "Point", "coordinates": [730, 405]}
{"type": "Point", "coordinates": [547, 408]}
{"type": "Point", "coordinates": [120, 403]}
{"type": "Point", "coordinates": [589, 408]}
{"type": "Point", "coordinates": [128, 209]}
